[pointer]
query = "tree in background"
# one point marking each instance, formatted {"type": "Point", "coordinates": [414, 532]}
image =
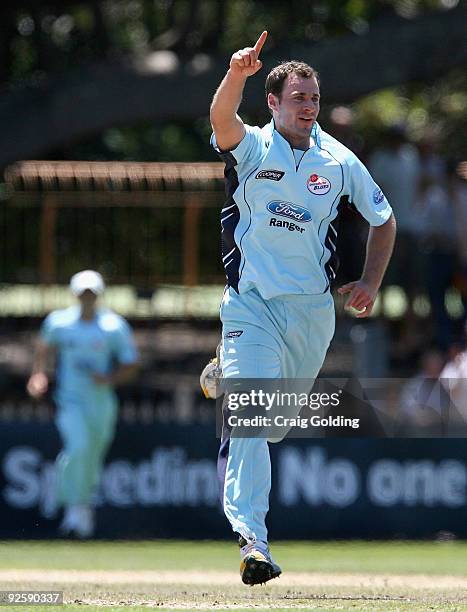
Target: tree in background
{"type": "Point", "coordinates": [50, 47]}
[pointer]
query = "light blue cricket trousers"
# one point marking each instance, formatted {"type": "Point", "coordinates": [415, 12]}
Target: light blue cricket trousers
{"type": "Point", "coordinates": [87, 429]}
{"type": "Point", "coordinates": [283, 337]}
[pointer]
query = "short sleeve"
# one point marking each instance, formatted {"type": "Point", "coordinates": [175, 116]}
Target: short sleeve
{"type": "Point", "coordinates": [123, 344]}
{"type": "Point", "coordinates": [366, 195]}
{"type": "Point", "coordinates": [49, 330]}
{"type": "Point", "coordinates": [250, 149]}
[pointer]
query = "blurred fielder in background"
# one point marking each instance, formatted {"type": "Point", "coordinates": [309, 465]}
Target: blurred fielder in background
{"type": "Point", "coordinates": [95, 351]}
{"type": "Point", "coordinates": [285, 182]}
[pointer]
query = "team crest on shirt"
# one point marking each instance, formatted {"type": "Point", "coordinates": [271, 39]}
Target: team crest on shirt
{"type": "Point", "coordinates": [378, 196]}
{"type": "Point", "coordinates": [318, 185]}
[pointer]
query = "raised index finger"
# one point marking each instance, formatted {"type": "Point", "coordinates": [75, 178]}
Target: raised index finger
{"type": "Point", "coordinates": [260, 42]}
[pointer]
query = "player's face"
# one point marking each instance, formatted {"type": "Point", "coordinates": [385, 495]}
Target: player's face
{"type": "Point", "coordinates": [296, 110]}
{"type": "Point", "coordinates": [87, 299]}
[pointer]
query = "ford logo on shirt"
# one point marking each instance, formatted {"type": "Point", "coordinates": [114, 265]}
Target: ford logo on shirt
{"type": "Point", "coordinates": [289, 210]}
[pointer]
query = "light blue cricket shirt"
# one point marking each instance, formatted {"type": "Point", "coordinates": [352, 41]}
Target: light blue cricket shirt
{"type": "Point", "coordinates": [279, 224]}
{"type": "Point", "coordinates": [85, 347]}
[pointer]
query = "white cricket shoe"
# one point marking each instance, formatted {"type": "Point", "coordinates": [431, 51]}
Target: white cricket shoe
{"type": "Point", "coordinates": [78, 522]}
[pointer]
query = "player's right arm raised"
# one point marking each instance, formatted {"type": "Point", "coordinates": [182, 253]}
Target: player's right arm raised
{"type": "Point", "coordinates": [227, 126]}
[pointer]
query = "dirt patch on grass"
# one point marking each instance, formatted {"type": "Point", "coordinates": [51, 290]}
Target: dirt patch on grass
{"type": "Point", "coordinates": [215, 578]}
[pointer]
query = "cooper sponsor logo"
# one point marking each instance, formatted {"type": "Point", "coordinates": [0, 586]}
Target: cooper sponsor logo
{"type": "Point", "coordinates": [318, 185]}
{"type": "Point", "coordinates": [234, 334]}
{"type": "Point", "coordinates": [272, 175]}
{"type": "Point", "coordinates": [292, 227]}
{"type": "Point", "coordinates": [290, 211]}
{"type": "Point", "coordinates": [378, 196]}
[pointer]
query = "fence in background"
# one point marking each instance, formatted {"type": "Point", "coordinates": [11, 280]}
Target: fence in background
{"type": "Point", "coordinates": [145, 226]}
{"type": "Point", "coordinates": [142, 224]}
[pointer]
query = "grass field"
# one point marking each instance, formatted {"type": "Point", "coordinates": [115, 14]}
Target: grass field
{"type": "Point", "coordinates": [168, 575]}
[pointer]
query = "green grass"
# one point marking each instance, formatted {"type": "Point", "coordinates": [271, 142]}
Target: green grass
{"type": "Point", "coordinates": [353, 557]}
{"type": "Point", "coordinates": [368, 559]}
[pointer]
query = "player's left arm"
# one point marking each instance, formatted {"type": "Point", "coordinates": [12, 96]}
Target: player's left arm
{"type": "Point", "coordinates": [379, 248]}
{"type": "Point", "coordinates": [127, 357]}
{"type": "Point", "coordinates": [121, 375]}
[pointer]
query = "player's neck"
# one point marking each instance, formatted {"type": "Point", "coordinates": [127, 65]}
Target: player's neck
{"type": "Point", "coordinates": [88, 314]}
{"type": "Point", "coordinates": [303, 143]}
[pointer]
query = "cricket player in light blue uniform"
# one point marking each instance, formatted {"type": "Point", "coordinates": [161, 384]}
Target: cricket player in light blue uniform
{"type": "Point", "coordinates": [286, 183]}
{"type": "Point", "coordinates": [95, 351]}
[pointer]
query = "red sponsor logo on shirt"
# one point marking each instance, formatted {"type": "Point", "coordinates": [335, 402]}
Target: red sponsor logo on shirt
{"type": "Point", "coordinates": [318, 185]}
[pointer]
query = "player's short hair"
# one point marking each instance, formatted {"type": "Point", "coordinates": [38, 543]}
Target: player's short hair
{"type": "Point", "coordinates": [275, 79]}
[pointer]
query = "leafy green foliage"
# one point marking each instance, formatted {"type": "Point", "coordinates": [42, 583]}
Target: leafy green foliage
{"type": "Point", "coordinates": [47, 37]}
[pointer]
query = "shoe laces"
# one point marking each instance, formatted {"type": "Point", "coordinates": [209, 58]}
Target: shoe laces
{"type": "Point", "coordinates": [247, 547]}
